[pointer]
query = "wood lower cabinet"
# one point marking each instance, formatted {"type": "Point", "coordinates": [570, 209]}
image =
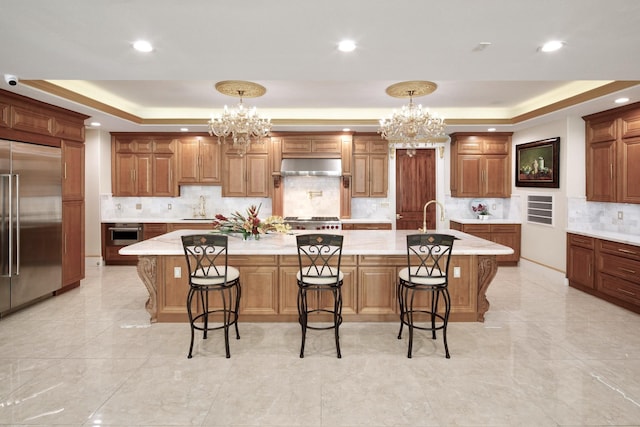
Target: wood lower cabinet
{"type": "Point", "coordinates": [581, 260]}
{"type": "Point", "coordinates": [270, 290]}
{"type": "Point", "coordinates": [150, 230]}
{"type": "Point", "coordinates": [606, 269]}
{"type": "Point", "coordinates": [366, 226]}
{"type": "Point", "coordinates": [73, 233]}
{"type": "Point", "coordinates": [504, 234]}
{"type": "Point", "coordinates": [289, 287]}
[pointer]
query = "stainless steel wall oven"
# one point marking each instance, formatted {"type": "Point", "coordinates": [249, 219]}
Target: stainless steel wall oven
{"type": "Point", "coordinates": [122, 234]}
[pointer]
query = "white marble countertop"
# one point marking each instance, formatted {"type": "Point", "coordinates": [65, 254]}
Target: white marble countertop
{"type": "Point", "coordinates": [365, 242]}
{"type": "Point", "coordinates": [199, 220]}
{"type": "Point", "coordinates": [366, 221]}
{"type": "Point", "coordinates": [630, 239]}
{"type": "Point", "coordinates": [485, 221]}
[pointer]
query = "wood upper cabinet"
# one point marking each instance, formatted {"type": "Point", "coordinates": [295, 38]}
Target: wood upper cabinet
{"type": "Point", "coordinates": [612, 155]}
{"type": "Point", "coordinates": [143, 165]}
{"type": "Point", "coordinates": [370, 167]}
{"type": "Point", "coordinates": [481, 164]}
{"type": "Point", "coordinates": [318, 145]}
{"type": "Point", "coordinates": [72, 170]}
{"type": "Point", "coordinates": [247, 175]}
{"type": "Point", "coordinates": [199, 161]}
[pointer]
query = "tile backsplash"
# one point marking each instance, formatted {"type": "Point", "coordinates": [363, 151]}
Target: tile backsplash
{"type": "Point", "coordinates": [595, 216]}
{"type": "Point", "coordinates": [185, 206]}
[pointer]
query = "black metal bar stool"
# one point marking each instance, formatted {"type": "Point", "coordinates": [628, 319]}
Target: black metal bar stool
{"type": "Point", "coordinates": [208, 272]}
{"type": "Point", "coordinates": [319, 257]}
{"type": "Point", "coordinates": [426, 275]}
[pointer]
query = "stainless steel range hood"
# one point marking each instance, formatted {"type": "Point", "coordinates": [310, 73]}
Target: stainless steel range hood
{"type": "Point", "coordinates": [311, 167]}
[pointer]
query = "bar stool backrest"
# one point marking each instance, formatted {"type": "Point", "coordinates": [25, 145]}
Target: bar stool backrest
{"type": "Point", "coordinates": [319, 255]}
{"type": "Point", "coordinates": [428, 256]}
{"type": "Point", "coordinates": [206, 256]}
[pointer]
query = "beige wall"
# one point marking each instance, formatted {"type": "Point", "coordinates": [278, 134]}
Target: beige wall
{"type": "Point", "coordinates": [545, 244]}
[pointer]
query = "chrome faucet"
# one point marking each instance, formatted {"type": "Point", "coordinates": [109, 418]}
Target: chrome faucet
{"type": "Point", "coordinates": [424, 213]}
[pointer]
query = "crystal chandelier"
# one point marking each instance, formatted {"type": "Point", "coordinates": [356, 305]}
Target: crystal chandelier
{"type": "Point", "coordinates": [242, 124]}
{"type": "Point", "coordinates": [412, 125]}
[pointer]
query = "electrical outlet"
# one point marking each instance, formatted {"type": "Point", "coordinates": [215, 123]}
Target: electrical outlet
{"type": "Point", "coordinates": [456, 272]}
{"type": "Point", "coordinates": [384, 204]}
{"type": "Point", "coordinates": [138, 206]}
{"type": "Point", "coordinates": [177, 272]}
{"type": "Point", "coordinates": [619, 214]}
{"type": "Point", "coordinates": [169, 207]}
{"type": "Point", "coordinates": [119, 206]}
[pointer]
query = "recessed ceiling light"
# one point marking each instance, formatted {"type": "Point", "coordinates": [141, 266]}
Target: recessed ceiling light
{"type": "Point", "coordinates": [491, 129]}
{"type": "Point", "coordinates": [142, 46]}
{"type": "Point", "coordinates": [184, 129]}
{"type": "Point", "coordinates": [346, 130]}
{"type": "Point", "coordinates": [95, 124]}
{"type": "Point", "coordinates": [621, 100]}
{"type": "Point", "coordinates": [347, 46]}
{"type": "Point", "coordinates": [552, 46]}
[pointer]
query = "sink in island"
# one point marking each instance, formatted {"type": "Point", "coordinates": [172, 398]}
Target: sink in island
{"type": "Point", "coordinates": [371, 260]}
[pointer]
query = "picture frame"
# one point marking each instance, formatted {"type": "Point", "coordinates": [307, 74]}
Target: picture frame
{"type": "Point", "coordinates": [538, 163]}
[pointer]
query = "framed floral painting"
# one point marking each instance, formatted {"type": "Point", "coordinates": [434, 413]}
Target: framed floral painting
{"type": "Point", "coordinates": [538, 163]}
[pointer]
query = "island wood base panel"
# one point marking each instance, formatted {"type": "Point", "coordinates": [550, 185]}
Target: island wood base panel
{"type": "Point", "coordinates": [269, 287]}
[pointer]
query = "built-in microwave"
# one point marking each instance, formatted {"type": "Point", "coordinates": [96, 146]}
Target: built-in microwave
{"type": "Point", "coordinates": [125, 234]}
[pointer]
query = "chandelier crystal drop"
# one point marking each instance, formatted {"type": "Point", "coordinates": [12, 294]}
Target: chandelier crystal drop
{"type": "Point", "coordinates": [242, 124]}
{"type": "Point", "coordinates": [411, 125]}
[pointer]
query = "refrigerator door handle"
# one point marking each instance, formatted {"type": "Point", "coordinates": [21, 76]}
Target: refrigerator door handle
{"type": "Point", "coordinates": [9, 215]}
{"type": "Point", "coordinates": [17, 224]}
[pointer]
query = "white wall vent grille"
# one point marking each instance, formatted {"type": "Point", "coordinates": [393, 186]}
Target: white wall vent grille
{"type": "Point", "coordinates": [540, 209]}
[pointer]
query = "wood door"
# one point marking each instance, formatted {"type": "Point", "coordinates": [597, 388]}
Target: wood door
{"type": "Point", "coordinates": [415, 186]}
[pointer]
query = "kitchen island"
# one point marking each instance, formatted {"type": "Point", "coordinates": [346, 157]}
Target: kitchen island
{"type": "Point", "coordinates": [371, 260]}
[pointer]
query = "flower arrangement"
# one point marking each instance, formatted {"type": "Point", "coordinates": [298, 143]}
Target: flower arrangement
{"type": "Point", "coordinates": [481, 209]}
{"type": "Point", "coordinates": [250, 225]}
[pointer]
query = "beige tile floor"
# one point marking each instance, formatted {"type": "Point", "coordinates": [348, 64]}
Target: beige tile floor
{"type": "Point", "coordinates": [547, 355]}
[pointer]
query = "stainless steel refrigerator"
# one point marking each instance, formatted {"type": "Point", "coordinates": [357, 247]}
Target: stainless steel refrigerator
{"type": "Point", "coordinates": [31, 223]}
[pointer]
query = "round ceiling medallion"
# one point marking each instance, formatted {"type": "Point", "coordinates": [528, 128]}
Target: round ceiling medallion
{"type": "Point", "coordinates": [240, 89]}
{"type": "Point", "coordinates": [413, 89]}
